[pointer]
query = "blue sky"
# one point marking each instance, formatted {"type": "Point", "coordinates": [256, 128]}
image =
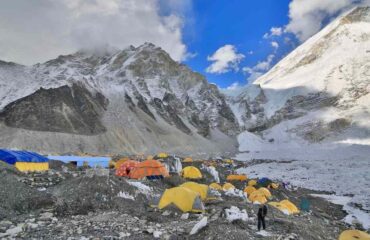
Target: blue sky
{"type": "Point", "coordinates": [238, 23]}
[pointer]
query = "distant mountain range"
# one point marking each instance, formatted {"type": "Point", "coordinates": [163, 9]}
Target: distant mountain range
{"type": "Point", "coordinates": [140, 100]}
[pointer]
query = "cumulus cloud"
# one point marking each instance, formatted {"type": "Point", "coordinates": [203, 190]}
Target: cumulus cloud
{"type": "Point", "coordinates": [38, 30]}
{"type": "Point", "coordinates": [274, 31]}
{"type": "Point", "coordinates": [275, 45]}
{"type": "Point", "coordinates": [307, 16]}
{"type": "Point", "coordinates": [225, 59]}
{"type": "Point", "coordinates": [259, 69]}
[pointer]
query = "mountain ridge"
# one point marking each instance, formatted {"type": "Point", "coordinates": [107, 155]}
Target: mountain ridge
{"type": "Point", "coordinates": [164, 97]}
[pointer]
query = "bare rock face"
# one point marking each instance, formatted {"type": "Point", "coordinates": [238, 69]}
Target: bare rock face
{"type": "Point", "coordinates": [155, 104]}
{"type": "Point", "coordinates": [65, 109]}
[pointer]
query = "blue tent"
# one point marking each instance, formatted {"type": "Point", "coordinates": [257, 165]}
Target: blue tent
{"type": "Point", "coordinates": [12, 157]}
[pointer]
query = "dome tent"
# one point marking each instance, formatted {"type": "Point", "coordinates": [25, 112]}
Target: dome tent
{"type": "Point", "coordinates": [228, 186]}
{"type": "Point", "coordinates": [183, 198]}
{"type": "Point", "coordinates": [237, 178]}
{"type": "Point", "coordinates": [151, 169]}
{"type": "Point", "coordinates": [215, 186]}
{"type": "Point", "coordinates": [125, 168]}
{"type": "Point", "coordinates": [354, 235]}
{"type": "Point", "coordinates": [202, 189]}
{"type": "Point", "coordinates": [249, 190]}
{"type": "Point", "coordinates": [191, 172]}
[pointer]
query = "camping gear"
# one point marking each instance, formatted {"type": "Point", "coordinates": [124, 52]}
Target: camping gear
{"type": "Point", "coordinates": [273, 186]}
{"type": "Point", "coordinates": [191, 172]}
{"type": "Point", "coordinates": [24, 160]}
{"type": "Point", "coordinates": [188, 160]}
{"type": "Point", "coordinates": [237, 178]}
{"type": "Point", "coordinates": [285, 206]}
{"type": "Point", "coordinates": [257, 197]}
{"type": "Point", "coordinates": [252, 182]}
{"type": "Point", "coordinates": [215, 186]}
{"type": "Point", "coordinates": [304, 205]}
{"type": "Point", "coordinates": [354, 235]}
{"type": "Point", "coordinates": [249, 189]}
{"type": "Point", "coordinates": [265, 192]}
{"type": "Point", "coordinates": [151, 169]}
{"type": "Point", "coordinates": [183, 198]}
{"type": "Point", "coordinates": [228, 186]}
{"type": "Point", "coordinates": [264, 182]}
{"type": "Point", "coordinates": [202, 189]}
{"type": "Point", "coordinates": [125, 168]}
{"type": "Point", "coordinates": [162, 155]}
{"type": "Point", "coordinates": [228, 161]}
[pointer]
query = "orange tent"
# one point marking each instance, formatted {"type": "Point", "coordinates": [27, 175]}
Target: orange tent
{"type": "Point", "coordinates": [149, 168]}
{"type": "Point", "coordinates": [121, 161]}
{"type": "Point", "coordinates": [126, 167]}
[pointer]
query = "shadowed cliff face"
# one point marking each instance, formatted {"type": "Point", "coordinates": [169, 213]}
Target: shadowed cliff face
{"type": "Point", "coordinates": [64, 109]}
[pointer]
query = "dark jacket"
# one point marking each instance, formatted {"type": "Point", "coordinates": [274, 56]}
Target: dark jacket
{"type": "Point", "coordinates": [262, 211]}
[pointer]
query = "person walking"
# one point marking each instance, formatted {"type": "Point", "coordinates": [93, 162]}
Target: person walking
{"type": "Point", "coordinates": [262, 212]}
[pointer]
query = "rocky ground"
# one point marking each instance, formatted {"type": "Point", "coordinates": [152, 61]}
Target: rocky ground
{"type": "Point", "coordinates": [75, 203]}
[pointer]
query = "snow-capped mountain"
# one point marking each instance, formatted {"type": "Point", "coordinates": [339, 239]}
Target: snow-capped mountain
{"type": "Point", "coordinates": [113, 101]}
{"type": "Point", "coordinates": [317, 96]}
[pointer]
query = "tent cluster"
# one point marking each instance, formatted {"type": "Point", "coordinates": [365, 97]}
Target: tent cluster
{"type": "Point", "coordinates": [226, 187]}
{"type": "Point", "coordinates": [188, 197]}
{"type": "Point", "coordinates": [25, 161]}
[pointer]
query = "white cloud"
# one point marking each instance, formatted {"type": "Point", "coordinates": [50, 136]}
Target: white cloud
{"type": "Point", "coordinates": [38, 30]}
{"type": "Point", "coordinates": [275, 45]}
{"type": "Point", "coordinates": [274, 31]}
{"type": "Point", "coordinates": [233, 90]}
{"type": "Point", "coordinates": [225, 59]}
{"type": "Point", "coordinates": [307, 16]}
{"type": "Point", "coordinates": [259, 69]}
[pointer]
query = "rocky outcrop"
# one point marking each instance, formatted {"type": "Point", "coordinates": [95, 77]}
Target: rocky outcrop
{"type": "Point", "coordinates": [65, 109]}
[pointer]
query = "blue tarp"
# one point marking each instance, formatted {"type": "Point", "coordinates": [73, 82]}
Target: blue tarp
{"type": "Point", "coordinates": [11, 156]}
{"type": "Point", "coordinates": [92, 161]}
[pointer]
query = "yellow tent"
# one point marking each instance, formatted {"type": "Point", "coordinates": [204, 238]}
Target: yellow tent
{"type": "Point", "coordinates": [252, 182]}
{"type": "Point", "coordinates": [228, 186]}
{"type": "Point", "coordinates": [292, 208]}
{"type": "Point", "coordinates": [32, 166]}
{"type": "Point", "coordinates": [285, 206]}
{"type": "Point", "coordinates": [265, 192]}
{"type": "Point", "coordinates": [236, 178]}
{"type": "Point", "coordinates": [229, 161]}
{"type": "Point", "coordinates": [112, 164]}
{"type": "Point", "coordinates": [249, 189]}
{"type": "Point", "coordinates": [162, 155]}
{"type": "Point", "coordinates": [215, 186]}
{"type": "Point", "coordinates": [202, 189]}
{"type": "Point", "coordinates": [257, 197]}
{"type": "Point", "coordinates": [188, 160]}
{"type": "Point", "coordinates": [183, 198]}
{"type": "Point", "coordinates": [191, 172]}
{"type": "Point", "coordinates": [354, 235]}
{"type": "Point", "coordinates": [273, 185]}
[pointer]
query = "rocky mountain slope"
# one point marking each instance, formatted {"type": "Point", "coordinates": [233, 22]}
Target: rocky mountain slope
{"type": "Point", "coordinates": [111, 101]}
{"type": "Point", "coordinates": [317, 98]}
